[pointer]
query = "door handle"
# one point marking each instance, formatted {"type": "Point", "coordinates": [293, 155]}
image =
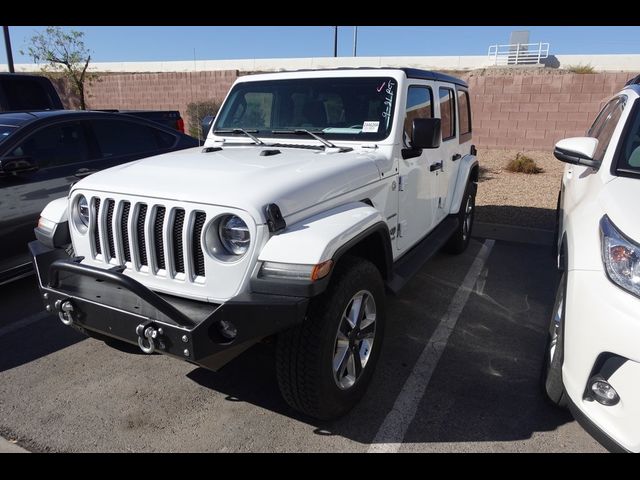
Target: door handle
{"type": "Point", "coordinates": [435, 166]}
{"type": "Point", "coordinates": [457, 156]}
{"type": "Point", "coordinates": [83, 172]}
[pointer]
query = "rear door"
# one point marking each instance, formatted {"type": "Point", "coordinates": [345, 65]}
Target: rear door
{"type": "Point", "coordinates": [449, 151]}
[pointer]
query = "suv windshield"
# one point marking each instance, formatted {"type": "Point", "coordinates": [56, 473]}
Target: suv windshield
{"type": "Point", "coordinates": [629, 156]}
{"type": "Point", "coordinates": [353, 108]}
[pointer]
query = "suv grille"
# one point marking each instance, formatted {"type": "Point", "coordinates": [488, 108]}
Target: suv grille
{"type": "Point", "coordinates": [126, 227]}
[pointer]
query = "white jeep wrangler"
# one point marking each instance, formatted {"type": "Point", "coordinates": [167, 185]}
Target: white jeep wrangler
{"type": "Point", "coordinates": [314, 191]}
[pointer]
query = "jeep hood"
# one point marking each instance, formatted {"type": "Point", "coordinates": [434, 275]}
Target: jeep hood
{"type": "Point", "coordinates": [240, 177]}
{"type": "Point", "coordinates": [618, 199]}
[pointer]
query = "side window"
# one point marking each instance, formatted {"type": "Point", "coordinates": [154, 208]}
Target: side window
{"type": "Point", "coordinates": [60, 144]}
{"type": "Point", "coordinates": [419, 105]}
{"type": "Point", "coordinates": [447, 113]}
{"type": "Point", "coordinates": [119, 137]}
{"type": "Point", "coordinates": [604, 132]}
{"type": "Point", "coordinates": [601, 118]}
{"type": "Point", "coordinates": [464, 114]}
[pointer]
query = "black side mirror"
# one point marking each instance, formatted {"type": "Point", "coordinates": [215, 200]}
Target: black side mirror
{"type": "Point", "coordinates": [206, 123]}
{"type": "Point", "coordinates": [426, 133]}
{"type": "Point", "coordinates": [24, 164]}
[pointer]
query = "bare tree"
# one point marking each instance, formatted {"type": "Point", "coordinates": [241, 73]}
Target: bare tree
{"type": "Point", "coordinates": [64, 52]}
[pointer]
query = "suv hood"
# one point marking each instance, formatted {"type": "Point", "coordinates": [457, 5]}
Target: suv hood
{"type": "Point", "coordinates": [239, 177]}
{"type": "Point", "coordinates": [618, 200]}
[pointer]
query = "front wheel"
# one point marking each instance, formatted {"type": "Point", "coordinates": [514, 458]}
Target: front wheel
{"type": "Point", "coordinates": [460, 239]}
{"type": "Point", "coordinates": [551, 375]}
{"type": "Point", "coordinates": [325, 364]}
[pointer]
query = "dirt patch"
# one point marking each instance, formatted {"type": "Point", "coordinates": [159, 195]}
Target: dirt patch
{"type": "Point", "coordinates": [517, 198]}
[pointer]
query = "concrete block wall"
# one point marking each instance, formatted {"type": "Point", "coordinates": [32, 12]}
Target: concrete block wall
{"type": "Point", "coordinates": [525, 110]}
{"type": "Point", "coordinates": [533, 112]}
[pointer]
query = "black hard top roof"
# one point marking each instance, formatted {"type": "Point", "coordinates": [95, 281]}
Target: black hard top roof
{"type": "Point", "coordinates": [409, 72]}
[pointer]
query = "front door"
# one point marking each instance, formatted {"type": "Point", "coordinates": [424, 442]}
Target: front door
{"type": "Point", "coordinates": [59, 150]}
{"type": "Point", "coordinates": [417, 175]}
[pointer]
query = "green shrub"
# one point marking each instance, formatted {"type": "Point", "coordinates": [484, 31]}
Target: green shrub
{"type": "Point", "coordinates": [523, 164]}
{"type": "Point", "coordinates": [196, 111]}
{"type": "Point", "coordinates": [581, 68]}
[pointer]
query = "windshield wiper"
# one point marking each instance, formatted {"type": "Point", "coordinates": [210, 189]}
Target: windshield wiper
{"type": "Point", "coordinates": [243, 131]}
{"type": "Point", "coordinates": [299, 131]}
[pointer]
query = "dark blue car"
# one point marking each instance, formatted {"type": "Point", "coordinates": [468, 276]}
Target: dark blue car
{"type": "Point", "coordinates": [42, 153]}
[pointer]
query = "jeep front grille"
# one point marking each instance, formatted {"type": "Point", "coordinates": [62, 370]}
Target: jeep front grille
{"type": "Point", "coordinates": [149, 237]}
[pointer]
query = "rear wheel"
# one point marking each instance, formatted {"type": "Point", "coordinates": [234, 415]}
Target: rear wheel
{"type": "Point", "coordinates": [325, 365]}
{"type": "Point", "coordinates": [460, 239]}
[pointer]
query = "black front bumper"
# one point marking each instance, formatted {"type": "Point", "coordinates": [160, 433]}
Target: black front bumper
{"type": "Point", "coordinates": [111, 304]}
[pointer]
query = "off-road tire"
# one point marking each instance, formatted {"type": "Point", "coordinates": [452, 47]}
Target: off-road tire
{"type": "Point", "coordinates": [458, 242]}
{"type": "Point", "coordinates": [304, 354]}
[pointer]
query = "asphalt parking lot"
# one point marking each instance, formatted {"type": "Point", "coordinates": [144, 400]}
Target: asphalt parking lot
{"type": "Point", "coordinates": [458, 373]}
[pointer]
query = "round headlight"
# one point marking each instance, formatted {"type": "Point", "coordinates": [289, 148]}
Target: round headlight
{"type": "Point", "coordinates": [81, 213]}
{"type": "Point", "coordinates": [234, 235]}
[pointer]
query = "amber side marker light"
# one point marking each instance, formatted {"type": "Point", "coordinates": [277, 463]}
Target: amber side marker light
{"type": "Point", "coordinates": [321, 270]}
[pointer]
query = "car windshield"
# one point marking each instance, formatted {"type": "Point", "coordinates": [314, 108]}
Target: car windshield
{"type": "Point", "coordinates": [5, 131]}
{"type": "Point", "coordinates": [352, 108]}
{"type": "Point", "coordinates": [629, 159]}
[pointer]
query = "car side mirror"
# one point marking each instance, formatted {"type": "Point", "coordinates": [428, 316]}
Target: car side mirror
{"type": "Point", "coordinates": [426, 133]}
{"type": "Point", "coordinates": [577, 151]}
{"type": "Point", "coordinates": [206, 123]}
{"type": "Point", "coordinates": [14, 165]}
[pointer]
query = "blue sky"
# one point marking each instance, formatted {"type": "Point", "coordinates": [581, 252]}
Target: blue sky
{"type": "Point", "coordinates": [150, 43]}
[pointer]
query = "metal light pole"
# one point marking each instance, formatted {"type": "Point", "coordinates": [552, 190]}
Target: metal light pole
{"type": "Point", "coordinates": [7, 44]}
{"type": "Point", "coordinates": [355, 41]}
{"type": "Point", "coordinates": [335, 41]}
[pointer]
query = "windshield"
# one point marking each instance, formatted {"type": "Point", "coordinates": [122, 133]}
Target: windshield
{"type": "Point", "coordinates": [354, 108]}
{"type": "Point", "coordinates": [5, 131]}
{"type": "Point", "coordinates": [629, 158]}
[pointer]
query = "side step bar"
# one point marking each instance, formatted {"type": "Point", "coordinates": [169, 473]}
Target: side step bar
{"type": "Point", "coordinates": [412, 261]}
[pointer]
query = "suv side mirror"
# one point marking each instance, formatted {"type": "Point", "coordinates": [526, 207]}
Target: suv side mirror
{"type": "Point", "coordinates": [426, 133]}
{"type": "Point", "coordinates": [24, 164]}
{"type": "Point", "coordinates": [206, 123]}
{"type": "Point", "coordinates": [577, 151]}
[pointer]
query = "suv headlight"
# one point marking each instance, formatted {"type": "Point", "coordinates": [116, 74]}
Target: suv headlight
{"type": "Point", "coordinates": [621, 257]}
{"type": "Point", "coordinates": [80, 213]}
{"type": "Point", "coordinates": [234, 235]}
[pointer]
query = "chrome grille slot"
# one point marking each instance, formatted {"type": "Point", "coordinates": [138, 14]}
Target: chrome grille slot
{"type": "Point", "coordinates": [142, 245]}
{"type": "Point", "coordinates": [110, 240]}
{"type": "Point", "coordinates": [124, 230]}
{"type": "Point", "coordinates": [198, 254]}
{"type": "Point", "coordinates": [96, 229]}
{"type": "Point", "coordinates": [158, 241]}
{"type": "Point", "coordinates": [176, 232]}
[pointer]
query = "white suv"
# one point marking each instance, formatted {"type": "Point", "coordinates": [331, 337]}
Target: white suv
{"type": "Point", "coordinates": [314, 192]}
{"type": "Point", "coordinates": [592, 362]}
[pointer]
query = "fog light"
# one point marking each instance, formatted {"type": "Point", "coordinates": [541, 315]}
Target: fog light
{"type": "Point", "coordinates": [603, 392]}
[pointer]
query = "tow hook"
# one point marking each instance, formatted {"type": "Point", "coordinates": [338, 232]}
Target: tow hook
{"type": "Point", "coordinates": [65, 311]}
{"type": "Point", "coordinates": [148, 334]}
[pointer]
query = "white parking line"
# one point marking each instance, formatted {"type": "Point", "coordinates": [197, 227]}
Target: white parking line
{"type": "Point", "coordinates": [394, 427]}
{"type": "Point", "coordinates": [10, 447]}
{"type": "Point", "coordinates": [25, 322]}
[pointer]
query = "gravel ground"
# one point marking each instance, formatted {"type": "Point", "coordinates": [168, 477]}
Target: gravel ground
{"type": "Point", "coordinates": [517, 198]}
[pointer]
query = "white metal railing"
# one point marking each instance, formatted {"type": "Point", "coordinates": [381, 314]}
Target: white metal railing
{"type": "Point", "coordinates": [519, 53]}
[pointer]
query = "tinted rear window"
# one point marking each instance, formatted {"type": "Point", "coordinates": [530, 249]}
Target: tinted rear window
{"type": "Point", "coordinates": [25, 94]}
{"type": "Point", "coordinates": [119, 137]}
